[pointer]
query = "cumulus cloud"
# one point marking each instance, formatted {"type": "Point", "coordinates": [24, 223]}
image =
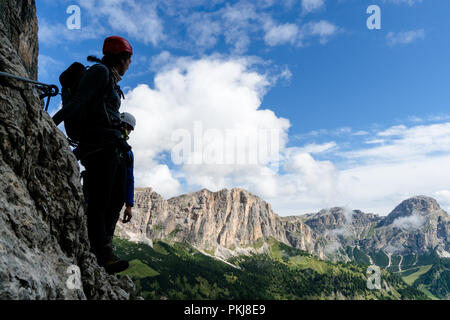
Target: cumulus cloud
{"type": "Point", "coordinates": [406, 37]}
{"type": "Point", "coordinates": [204, 119]}
{"type": "Point", "coordinates": [159, 177]}
{"type": "Point", "coordinates": [194, 105]}
{"type": "Point", "coordinates": [313, 177]}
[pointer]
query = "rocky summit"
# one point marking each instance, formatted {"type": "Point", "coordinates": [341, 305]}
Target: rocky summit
{"type": "Point", "coordinates": [233, 222]}
{"type": "Point", "coordinates": [44, 248]}
{"type": "Point", "coordinates": [420, 206]}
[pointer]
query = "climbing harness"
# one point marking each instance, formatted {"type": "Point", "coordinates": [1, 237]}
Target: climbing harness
{"type": "Point", "coordinates": [47, 90]}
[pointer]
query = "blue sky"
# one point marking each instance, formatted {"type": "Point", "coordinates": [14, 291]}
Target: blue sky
{"type": "Point", "coordinates": [362, 115]}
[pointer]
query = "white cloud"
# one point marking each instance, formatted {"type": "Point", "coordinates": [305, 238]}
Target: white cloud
{"type": "Point", "coordinates": [220, 94]}
{"type": "Point", "coordinates": [314, 178]}
{"type": "Point", "coordinates": [240, 23]}
{"type": "Point", "coordinates": [408, 2]}
{"type": "Point", "coordinates": [55, 34]}
{"type": "Point", "coordinates": [405, 37]}
{"type": "Point", "coordinates": [323, 29]}
{"type": "Point", "coordinates": [211, 93]}
{"type": "Point", "coordinates": [393, 131]}
{"type": "Point", "coordinates": [204, 30]}
{"type": "Point", "coordinates": [403, 143]}
{"type": "Point", "coordinates": [374, 141]}
{"type": "Point", "coordinates": [48, 65]}
{"type": "Point", "coordinates": [159, 177]}
{"type": "Point", "coordinates": [196, 26]}
{"type": "Point", "coordinates": [380, 187]}
{"type": "Point", "coordinates": [412, 222]}
{"type": "Point", "coordinates": [318, 148]}
{"type": "Point", "coordinates": [282, 34]}
{"type": "Point", "coordinates": [443, 198]}
{"type": "Point", "coordinates": [312, 5]}
{"type": "Point", "coordinates": [360, 133]}
{"type": "Point", "coordinates": [136, 19]}
{"type": "Point", "coordinates": [401, 161]}
{"type": "Point", "coordinates": [406, 162]}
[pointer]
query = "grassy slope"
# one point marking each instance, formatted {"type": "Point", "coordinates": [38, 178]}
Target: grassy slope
{"type": "Point", "coordinates": [420, 272]}
{"type": "Point", "coordinates": [409, 279]}
{"type": "Point", "coordinates": [436, 280]}
{"type": "Point", "coordinates": [178, 271]}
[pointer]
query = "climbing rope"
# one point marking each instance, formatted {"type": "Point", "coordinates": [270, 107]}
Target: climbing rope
{"type": "Point", "coordinates": [47, 90]}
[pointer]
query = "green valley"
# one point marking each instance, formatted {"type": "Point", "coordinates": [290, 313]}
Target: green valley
{"type": "Point", "coordinates": [179, 271]}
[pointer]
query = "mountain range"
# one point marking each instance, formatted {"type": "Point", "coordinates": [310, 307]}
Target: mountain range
{"type": "Point", "coordinates": [230, 223]}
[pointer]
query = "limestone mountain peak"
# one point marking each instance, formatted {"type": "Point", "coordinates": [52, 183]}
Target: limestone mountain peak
{"type": "Point", "coordinates": [418, 205]}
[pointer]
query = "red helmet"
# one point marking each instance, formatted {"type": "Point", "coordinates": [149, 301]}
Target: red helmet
{"type": "Point", "coordinates": [115, 45]}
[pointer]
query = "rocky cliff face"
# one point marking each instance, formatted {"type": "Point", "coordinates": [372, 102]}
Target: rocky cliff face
{"type": "Point", "coordinates": [43, 232]}
{"type": "Point", "coordinates": [235, 221]}
{"type": "Point", "coordinates": [213, 221]}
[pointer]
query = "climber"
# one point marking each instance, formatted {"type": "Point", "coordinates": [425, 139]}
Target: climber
{"type": "Point", "coordinates": [101, 145]}
{"type": "Point", "coordinates": [127, 194]}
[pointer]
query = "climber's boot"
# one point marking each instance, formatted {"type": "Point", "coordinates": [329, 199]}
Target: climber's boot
{"type": "Point", "coordinates": [111, 262]}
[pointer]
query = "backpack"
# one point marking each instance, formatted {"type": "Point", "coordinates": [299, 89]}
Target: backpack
{"type": "Point", "coordinates": [69, 80]}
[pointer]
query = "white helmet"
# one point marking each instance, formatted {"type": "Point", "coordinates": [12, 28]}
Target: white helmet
{"type": "Point", "coordinates": [128, 118]}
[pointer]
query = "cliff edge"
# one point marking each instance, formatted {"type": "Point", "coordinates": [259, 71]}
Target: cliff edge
{"type": "Point", "coordinates": [43, 234]}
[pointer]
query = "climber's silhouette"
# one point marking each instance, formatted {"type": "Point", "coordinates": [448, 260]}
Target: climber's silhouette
{"type": "Point", "coordinates": [92, 111]}
{"type": "Point", "coordinates": [126, 195]}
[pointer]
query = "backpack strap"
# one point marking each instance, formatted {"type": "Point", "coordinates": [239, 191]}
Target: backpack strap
{"type": "Point", "coordinates": [101, 98]}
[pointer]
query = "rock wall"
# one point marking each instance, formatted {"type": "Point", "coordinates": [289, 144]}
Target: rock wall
{"type": "Point", "coordinates": [226, 219]}
{"type": "Point", "coordinates": [42, 220]}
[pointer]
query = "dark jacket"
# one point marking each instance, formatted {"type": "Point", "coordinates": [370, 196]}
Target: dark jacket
{"type": "Point", "coordinates": [97, 97]}
{"type": "Point", "coordinates": [129, 199]}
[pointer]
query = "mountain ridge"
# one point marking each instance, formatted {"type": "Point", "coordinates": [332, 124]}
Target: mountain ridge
{"type": "Point", "coordinates": [236, 218]}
